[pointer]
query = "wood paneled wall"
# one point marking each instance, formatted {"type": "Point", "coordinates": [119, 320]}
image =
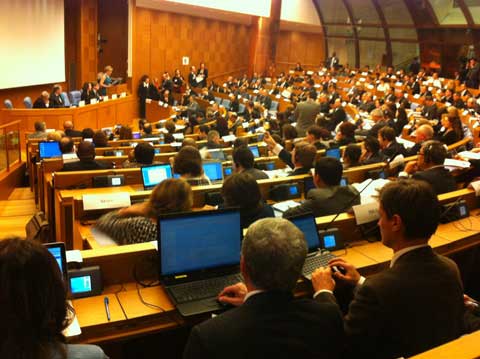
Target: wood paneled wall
{"type": "Point", "coordinates": [161, 39]}
{"type": "Point", "coordinates": [294, 46]}
{"type": "Point", "coordinates": [88, 41]}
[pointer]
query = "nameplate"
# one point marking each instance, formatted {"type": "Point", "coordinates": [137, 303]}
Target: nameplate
{"type": "Point", "coordinates": [366, 213]}
{"type": "Point", "coordinates": [229, 138]}
{"type": "Point", "coordinates": [93, 101]}
{"type": "Point", "coordinates": [106, 200]}
{"type": "Point", "coordinates": [123, 94]}
{"type": "Point", "coordinates": [114, 96]}
{"type": "Point", "coordinates": [81, 103]}
{"type": "Point", "coordinates": [105, 98]}
{"type": "Point", "coordinates": [148, 100]}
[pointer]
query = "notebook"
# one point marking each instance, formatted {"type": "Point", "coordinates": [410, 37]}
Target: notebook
{"type": "Point", "coordinates": [153, 175]}
{"type": "Point", "coordinates": [49, 150]}
{"type": "Point", "coordinates": [213, 170]}
{"type": "Point", "coordinates": [317, 255]}
{"type": "Point", "coordinates": [196, 262]}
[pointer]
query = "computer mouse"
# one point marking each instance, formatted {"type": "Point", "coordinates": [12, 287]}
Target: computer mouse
{"type": "Point", "coordinates": [338, 269]}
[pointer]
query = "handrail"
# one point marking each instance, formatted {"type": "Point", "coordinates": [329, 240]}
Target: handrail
{"type": "Point", "coordinates": [16, 122]}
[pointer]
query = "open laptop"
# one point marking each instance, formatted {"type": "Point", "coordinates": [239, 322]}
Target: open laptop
{"type": "Point", "coordinates": [196, 262]}
{"type": "Point", "coordinates": [255, 151]}
{"type": "Point", "coordinates": [213, 170]}
{"type": "Point", "coordinates": [317, 255]}
{"type": "Point", "coordinates": [49, 150]}
{"type": "Point", "coordinates": [217, 154]}
{"type": "Point", "coordinates": [153, 175]}
{"type": "Point", "coordinates": [57, 250]}
{"type": "Point", "coordinates": [333, 152]}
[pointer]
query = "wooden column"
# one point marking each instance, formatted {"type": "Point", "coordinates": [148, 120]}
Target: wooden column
{"type": "Point", "coordinates": [263, 39]}
{"type": "Point", "coordinates": [88, 41]}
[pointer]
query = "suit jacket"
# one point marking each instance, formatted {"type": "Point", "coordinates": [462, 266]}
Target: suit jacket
{"type": "Point", "coordinates": [256, 173]}
{"type": "Point", "coordinates": [305, 115]}
{"type": "Point", "coordinates": [337, 116]}
{"type": "Point", "coordinates": [56, 101]}
{"type": "Point", "coordinates": [430, 112]}
{"type": "Point", "coordinates": [439, 178]}
{"type": "Point", "coordinates": [73, 133]}
{"type": "Point", "coordinates": [286, 157]}
{"type": "Point", "coordinates": [325, 201]}
{"type": "Point", "coordinates": [85, 166]}
{"type": "Point", "coordinates": [407, 309]}
{"type": "Point", "coordinates": [192, 80]}
{"type": "Point", "coordinates": [269, 325]}
{"type": "Point", "coordinates": [203, 83]}
{"type": "Point", "coordinates": [40, 104]}
{"type": "Point", "coordinates": [393, 150]}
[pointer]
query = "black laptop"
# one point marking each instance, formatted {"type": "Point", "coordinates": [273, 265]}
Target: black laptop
{"type": "Point", "coordinates": [317, 255]}
{"type": "Point", "coordinates": [199, 255]}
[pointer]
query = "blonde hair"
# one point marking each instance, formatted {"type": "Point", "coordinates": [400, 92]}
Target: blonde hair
{"type": "Point", "coordinates": [108, 68]}
{"type": "Point", "coordinates": [170, 196]}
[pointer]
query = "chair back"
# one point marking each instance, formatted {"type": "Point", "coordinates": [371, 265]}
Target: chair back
{"type": "Point", "coordinates": [66, 100]}
{"type": "Point", "coordinates": [75, 97]}
{"type": "Point", "coordinates": [27, 101]}
{"type": "Point", "coordinates": [8, 104]}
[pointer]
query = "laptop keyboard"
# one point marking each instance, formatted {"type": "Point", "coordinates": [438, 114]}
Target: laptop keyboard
{"type": "Point", "coordinates": [316, 261]}
{"type": "Point", "coordinates": [202, 289]}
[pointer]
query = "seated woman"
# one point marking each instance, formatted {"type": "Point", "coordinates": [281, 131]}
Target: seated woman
{"type": "Point", "coordinates": [453, 131]}
{"type": "Point", "coordinates": [351, 156]}
{"type": "Point", "coordinates": [371, 152]}
{"type": "Point", "coordinates": [188, 164]}
{"type": "Point", "coordinates": [34, 308]}
{"type": "Point", "coordinates": [241, 190]}
{"type": "Point", "coordinates": [138, 223]}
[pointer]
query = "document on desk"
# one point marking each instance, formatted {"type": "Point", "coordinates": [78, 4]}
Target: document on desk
{"type": "Point", "coordinates": [285, 205]}
{"type": "Point", "coordinates": [73, 328]}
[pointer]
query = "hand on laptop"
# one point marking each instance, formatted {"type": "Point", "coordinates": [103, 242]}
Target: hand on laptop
{"type": "Point", "coordinates": [322, 279]}
{"type": "Point", "coordinates": [233, 294]}
{"type": "Point", "coordinates": [351, 275]}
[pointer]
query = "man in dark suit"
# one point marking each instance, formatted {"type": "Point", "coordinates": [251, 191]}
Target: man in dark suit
{"type": "Point", "coordinates": [430, 109]}
{"type": "Point", "coordinates": [43, 101]}
{"type": "Point", "coordinates": [305, 114]}
{"type": "Point", "coordinates": [337, 115]}
{"type": "Point", "coordinates": [300, 160]}
{"type": "Point", "coordinates": [388, 143]}
{"type": "Point", "coordinates": [192, 78]}
{"type": "Point", "coordinates": [56, 99]}
{"type": "Point", "coordinates": [473, 74]}
{"type": "Point", "coordinates": [429, 167]}
{"type": "Point", "coordinates": [243, 162]}
{"type": "Point", "coordinates": [422, 134]}
{"type": "Point", "coordinates": [69, 131]}
{"type": "Point", "coordinates": [202, 73]}
{"type": "Point", "coordinates": [417, 303]}
{"type": "Point", "coordinates": [328, 197]}
{"type": "Point", "coordinates": [269, 322]}
{"type": "Point", "coordinates": [86, 156]}
{"type": "Point", "coordinates": [333, 62]}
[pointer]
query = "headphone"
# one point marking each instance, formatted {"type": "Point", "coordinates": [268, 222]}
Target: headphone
{"type": "Point", "coordinates": [427, 152]}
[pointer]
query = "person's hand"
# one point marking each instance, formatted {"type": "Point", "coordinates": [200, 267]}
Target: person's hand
{"type": "Point", "coordinates": [351, 275]}
{"type": "Point", "coordinates": [322, 279]}
{"type": "Point", "coordinates": [269, 140]}
{"type": "Point", "coordinates": [233, 294]}
{"type": "Point", "coordinates": [470, 303]}
{"type": "Point", "coordinates": [411, 167]}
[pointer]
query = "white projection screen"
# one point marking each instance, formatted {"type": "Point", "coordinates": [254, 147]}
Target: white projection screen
{"type": "Point", "coordinates": [32, 47]}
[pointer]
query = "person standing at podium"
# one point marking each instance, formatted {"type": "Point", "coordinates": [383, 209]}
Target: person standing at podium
{"type": "Point", "coordinates": [146, 90]}
{"type": "Point", "coordinates": [106, 80]}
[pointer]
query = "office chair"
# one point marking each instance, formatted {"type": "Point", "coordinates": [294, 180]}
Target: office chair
{"type": "Point", "coordinates": [27, 101]}
{"type": "Point", "coordinates": [66, 100]}
{"type": "Point", "coordinates": [8, 104]}
{"type": "Point", "coordinates": [75, 97]}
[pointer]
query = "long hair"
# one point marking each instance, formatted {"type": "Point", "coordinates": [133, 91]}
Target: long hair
{"type": "Point", "coordinates": [170, 196]}
{"type": "Point", "coordinates": [33, 307]}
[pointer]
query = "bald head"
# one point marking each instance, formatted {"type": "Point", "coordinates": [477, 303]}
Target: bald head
{"type": "Point", "coordinates": [424, 133]}
{"type": "Point", "coordinates": [68, 125]}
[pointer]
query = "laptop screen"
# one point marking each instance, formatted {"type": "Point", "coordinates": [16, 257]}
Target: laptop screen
{"type": "Point", "coordinates": [255, 151]}
{"type": "Point", "coordinates": [57, 250]}
{"type": "Point", "coordinates": [308, 226]}
{"type": "Point", "coordinates": [188, 243]}
{"type": "Point", "coordinates": [213, 170]}
{"type": "Point", "coordinates": [153, 175]}
{"type": "Point", "coordinates": [217, 154]}
{"type": "Point", "coordinates": [333, 152]}
{"type": "Point", "coordinates": [49, 150]}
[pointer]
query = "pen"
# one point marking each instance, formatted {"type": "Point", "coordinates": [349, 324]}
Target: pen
{"type": "Point", "coordinates": [107, 309]}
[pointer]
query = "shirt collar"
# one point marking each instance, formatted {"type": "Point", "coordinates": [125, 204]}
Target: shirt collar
{"type": "Point", "coordinates": [252, 293]}
{"type": "Point", "coordinates": [401, 252]}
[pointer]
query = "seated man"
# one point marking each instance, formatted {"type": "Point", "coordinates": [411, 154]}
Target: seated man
{"type": "Point", "coordinates": [269, 322]}
{"type": "Point", "coordinates": [43, 101]}
{"type": "Point", "coordinates": [429, 167]}
{"type": "Point", "coordinates": [147, 131]}
{"type": "Point", "coordinates": [243, 162]}
{"type": "Point", "coordinates": [86, 156]}
{"type": "Point", "coordinates": [213, 140]}
{"type": "Point", "coordinates": [67, 145]}
{"type": "Point", "coordinates": [351, 156]}
{"type": "Point", "coordinates": [315, 135]}
{"type": "Point", "coordinates": [40, 131]}
{"type": "Point", "coordinates": [143, 154]}
{"type": "Point", "coordinates": [56, 99]}
{"type": "Point", "coordinates": [422, 133]}
{"type": "Point", "coordinates": [417, 303]}
{"type": "Point", "coordinates": [69, 131]}
{"type": "Point", "coordinates": [388, 143]}
{"type": "Point", "coordinates": [328, 197]}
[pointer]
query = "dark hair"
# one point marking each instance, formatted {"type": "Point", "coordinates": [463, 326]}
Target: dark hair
{"type": "Point", "coordinates": [387, 133]}
{"type": "Point", "coordinates": [243, 156]}
{"type": "Point", "coordinates": [39, 126]}
{"type": "Point", "coordinates": [434, 152]}
{"type": "Point", "coordinates": [305, 154]}
{"type": "Point", "coordinates": [456, 126]}
{"type": "Point", "coordinates": [144, 153]}
{"type": "Point", "coordinates": [147, 128]}
{"type": "Point", "coordinates": [170, 126]}
{"type": "Point", "coordinates": [417, 205]}
{"type": "Point", "coordinates": [347, 129]}
{"type": "Point", "coordinates": [188, 161]}
{"type": "Point", "coordinates": [66, 144]}
{"type": "Point", "coordinates": [33, 301]}
{"type": "Point", "coordinates": [352, 153]}
{"type": "Point", "coordinates": [125, 133]}
{"type": "Point", "coordinates": [371, 144]}
{"type": "Point", "coordinates": [100, 139]}
{"type": "Point", "coordinates": [86, 151]}
{"type": "Point", "coordinates": [239, 142]}
{"type": "Point", "coordinates": [203, 128]}
{"type": "Point", "coordinates": [289, 132]}
{"type": "Point", "coordinates": [315, 131]}
{"type": "Point", "coordinates": [241, 190]}
{"type": "Point", "coordinates": [329, 169]}
{"type": "Point", "coordinates": [87, 133]}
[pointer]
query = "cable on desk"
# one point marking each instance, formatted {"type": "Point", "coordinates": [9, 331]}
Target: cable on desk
{"type": "Point", "coordinates": [135, 272]}
{"type": "Point", "coordinates": [147, 304]}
